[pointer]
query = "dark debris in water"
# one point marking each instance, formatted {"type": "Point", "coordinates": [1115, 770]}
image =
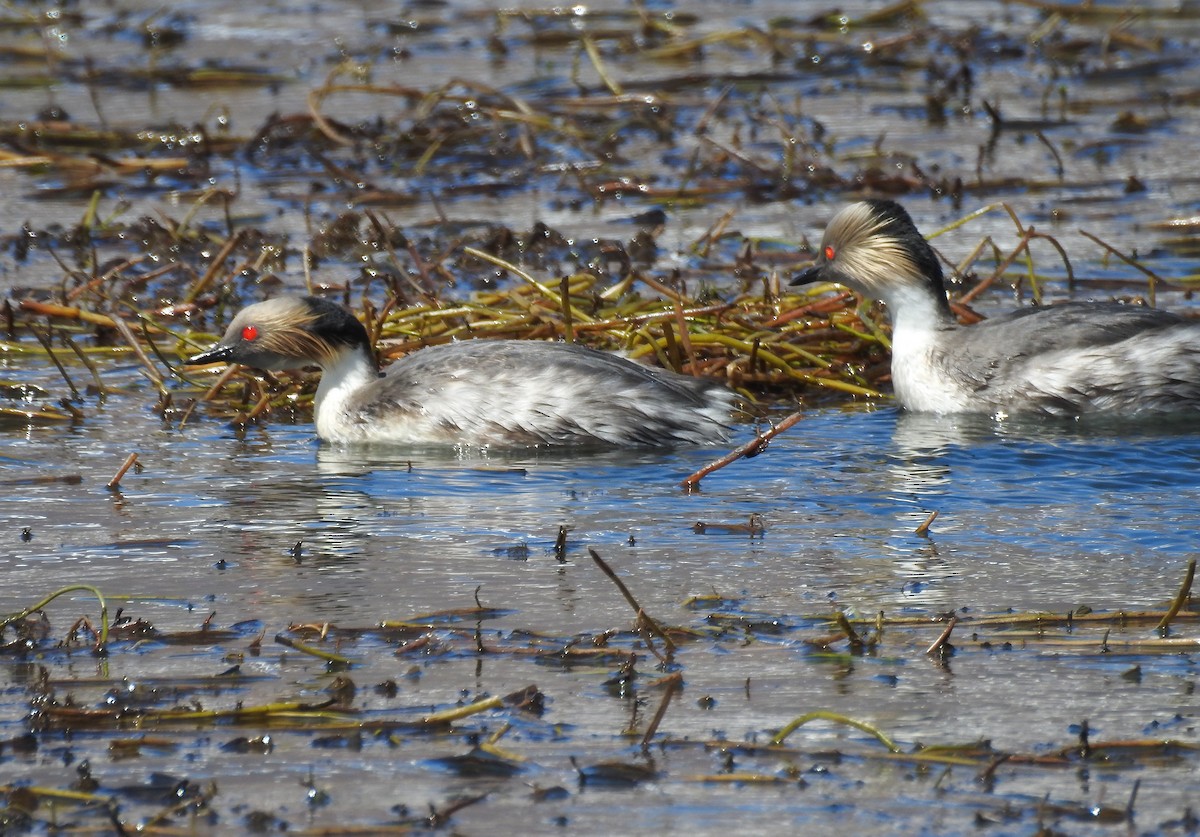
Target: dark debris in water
{"type": "Point", "coordinates": [642, 114]}
{"type": "Point", "coordinates": [499, 738]}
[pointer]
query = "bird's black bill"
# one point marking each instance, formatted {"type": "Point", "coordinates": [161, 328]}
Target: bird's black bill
{"type": "Point", "coordinates": [808, 276]}
{"type": "Point", "coordinates": [217, 354]}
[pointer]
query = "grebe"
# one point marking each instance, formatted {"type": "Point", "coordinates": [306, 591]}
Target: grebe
{"type": "Point", "coordinates": [478, 392]}
{"type": "Point", "coordinates": [1064, 360]}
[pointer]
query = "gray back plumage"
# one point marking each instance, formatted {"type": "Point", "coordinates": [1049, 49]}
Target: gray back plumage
{"type": "Point", "coordinates": [526, 392]}
{"type": "Point", "coordinates": [1080, 357]}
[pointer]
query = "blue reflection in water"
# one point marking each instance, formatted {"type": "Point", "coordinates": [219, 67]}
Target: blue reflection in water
{"type": "Point", "coordinates": [1031, 515]}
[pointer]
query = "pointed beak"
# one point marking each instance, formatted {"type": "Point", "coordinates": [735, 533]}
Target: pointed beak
{"type": "Point", "coordinates": [815, 273]}
{"type": "Point", "coordinates": [217, 354]}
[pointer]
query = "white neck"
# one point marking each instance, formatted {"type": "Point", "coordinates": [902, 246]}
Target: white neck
{"type": "Point", "coordinates": [919, 325]}
{"type": "Point", "coordinates": [353, 370]}
{"type": "Point", "coordinates": [912, 303]}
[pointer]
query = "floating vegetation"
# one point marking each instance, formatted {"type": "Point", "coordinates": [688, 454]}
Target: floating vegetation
{"type": "Point", "coordinates": [775, 348]}
{"type": "Point", "coordinates": [641, 180]}
{"type": "Point", "coordinates": [718, 306]}
{"type": "Point", "coordinates": [253, 716]}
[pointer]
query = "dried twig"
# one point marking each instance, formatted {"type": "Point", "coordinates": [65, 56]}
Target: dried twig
{"type": "Point", "coordinates": [1181, 597]}
{"type": "Point", "coordinates": [45, 341]}
{"type": "Point", "coordinates": [1154, 278]}
{"type": "Point", "coordinates": [673, 683]}
{"type": "Point", "coordinates": [650, 624]}
{"type": "Point", "coordinates": [923, 529]}
{"type": "Point", "coordinates": [752, 448]}
{"type": "Point", "coordinates": [942, 641]}
{"type": "Point", "coordinates": [115, 482]}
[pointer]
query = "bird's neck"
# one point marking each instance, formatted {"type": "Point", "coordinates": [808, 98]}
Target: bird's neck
{"type": "Point", "coordinates": [919, 317]}
{"type": "Point", "coordinates": [917, 306]}
{"type": "Point", "coordinates": [921, 322]}
{"type": "Point", "coordinates": [353, 369]}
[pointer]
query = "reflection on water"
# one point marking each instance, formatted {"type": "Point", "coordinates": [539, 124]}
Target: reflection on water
{"type": "Point", "coordinates": [1030, 515]}
{"type": "Point", "coordinates": [1049, 505]}
{"type": "Point", "coordinates": [268, 525]}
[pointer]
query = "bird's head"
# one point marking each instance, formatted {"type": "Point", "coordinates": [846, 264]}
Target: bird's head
{"type": "Point", "coordinates": [288, 332]}
{"type": "Point", "coordinates": [874, 248]}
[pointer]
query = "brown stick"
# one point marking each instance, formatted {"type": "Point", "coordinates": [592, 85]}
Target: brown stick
{"type": "Point", "coordinates": [222, 379]}
{"type": "Point", "coordinates": [651, 625]}
{"type": "Point", "coordinates": [752, 448]}
{"type": "Point", "coordinates": [671, 347]}
{"type": "Point", "coordinates": [115, 482]}
{"type": "Point", "coordinates": [1184, 590]}
{"type": "Point", "coordinates": [923, 529]}
{"type": "Point", "coordinates": [564, 290]}
{"type": "Point", "coordinates": [986, 775]}
{"type": "Point", "coordinates": [1154, 278]}
{"type": "Point", "coordinates": [259, 408]}
{"type": "Point", "coordinates": [685, 339]}
{"type": "Point", "coordinates": [1022, 245]}
{"type": "Point", "coordinates": [228, 373]}
{"type": "Point", "coordinates": [51, 309]}
{"type": "Point", "coordinates": [151, 370]}
{"type": "Point", "coordinates": [856, 641]}
{"type": "Point", "coordinates": [45, 341]}
{"type": "Point", "coordinates": [940, 642]}
{"type": "Point", "coordinates": [673, 683]}
{"type": "Point", "coordinates": [214, 267]}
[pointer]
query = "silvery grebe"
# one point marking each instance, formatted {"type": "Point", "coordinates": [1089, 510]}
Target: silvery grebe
{"type": "Point", "coordinates": [477, 392]}
{"type": "Point", "coordinates": [1065, 360]}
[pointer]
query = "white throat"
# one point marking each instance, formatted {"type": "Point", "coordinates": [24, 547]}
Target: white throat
{"type": "Point", "coordinates": [919, 376]}
{"type": "Point", "coordinates": [339, 383]}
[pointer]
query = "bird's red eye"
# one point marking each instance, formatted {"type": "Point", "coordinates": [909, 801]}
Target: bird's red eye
{"type": "Point", "coordinates": [250, 333]}
{"type": "Point", "coordinates": [829, 253]}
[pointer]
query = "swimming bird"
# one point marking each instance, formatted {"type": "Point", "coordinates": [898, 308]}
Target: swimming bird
{"type": "Point", "coordinates": [476, 392]}
{"type": "Point", "coordinates": [1071, 359]}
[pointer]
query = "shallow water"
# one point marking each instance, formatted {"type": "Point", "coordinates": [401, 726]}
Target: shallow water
{"type": "Point", "coordinates": [1036, 517]}
{"type": "Point", "coordinates": [1068, 161]}
{"type": "Point", "coordinates": [270, 534]}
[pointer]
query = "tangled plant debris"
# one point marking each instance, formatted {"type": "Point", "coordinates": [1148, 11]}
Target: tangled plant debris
{"type": "Point", "coordinates": [641, 180]}
{"type": "Point", "coordinates": [166, 714]}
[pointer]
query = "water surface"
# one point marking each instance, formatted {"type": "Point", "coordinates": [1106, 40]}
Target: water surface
{"type": "Point", "coordinates": [1032, 517]}
{"type": "Point", "coordinates": [775, 116]}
